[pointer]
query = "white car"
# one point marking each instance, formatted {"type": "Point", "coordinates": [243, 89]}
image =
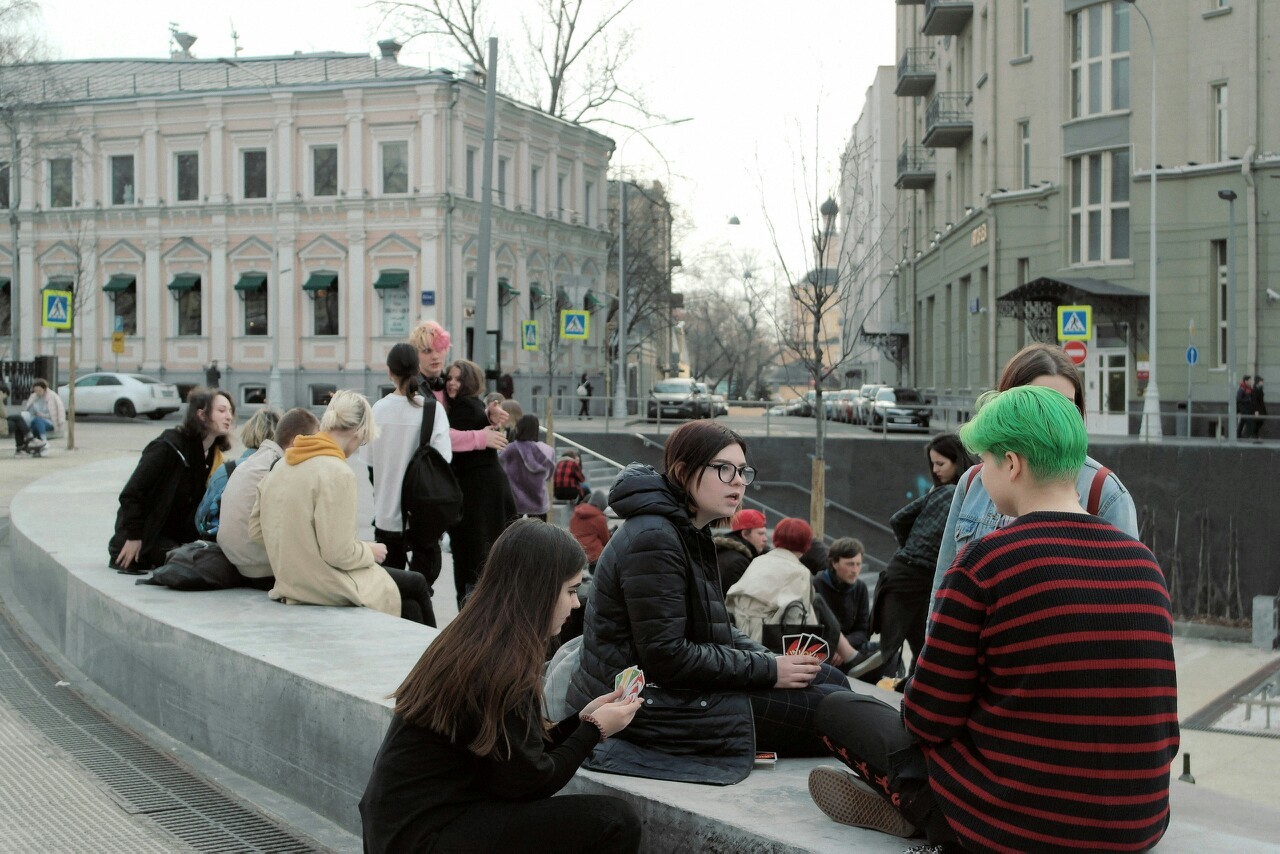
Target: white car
{"type": "Point", "coordinates": [125, 395]}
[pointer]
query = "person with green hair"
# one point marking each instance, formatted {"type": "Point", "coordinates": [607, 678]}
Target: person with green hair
{"type": "Point", "coordinates": [1043, 713]}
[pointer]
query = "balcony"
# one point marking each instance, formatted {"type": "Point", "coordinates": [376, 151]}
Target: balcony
{"type": "Point", "coordinates": [917, 71]}
{"type": "Point", "coordinates": [946, 17]}
{"type": "Point", "coordinates": [948, 121]}
{"type": "Point", "coordinates": [917, 168]}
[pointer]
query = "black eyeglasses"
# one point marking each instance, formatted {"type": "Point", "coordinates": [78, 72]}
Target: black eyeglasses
{"type": "Point", "coordinates": [726, 471]}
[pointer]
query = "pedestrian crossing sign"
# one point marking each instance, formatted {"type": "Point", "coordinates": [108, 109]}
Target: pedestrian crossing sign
{"type": "Point", "coordinates": [575, 325]}
{"type": "Point", "coordinates": [1075, 322]}
{"type": "Point", "coordinates": [529, 335]}
{"type": "Point", "coordinates": [57, 310]}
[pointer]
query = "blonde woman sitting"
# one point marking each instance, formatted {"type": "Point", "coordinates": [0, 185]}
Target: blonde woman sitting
{"type": "Point", "coordinates": [306, 518]}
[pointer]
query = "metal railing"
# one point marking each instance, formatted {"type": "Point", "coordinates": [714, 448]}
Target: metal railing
{"type": "Point", "coordinates": [916, 159]}
{"type": "Point", "coordinates": [947, 109]}
{"type": "Point", "coordinates": [917, 61]}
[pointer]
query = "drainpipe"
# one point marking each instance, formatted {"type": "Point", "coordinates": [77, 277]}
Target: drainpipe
{"type": "Point", "coordinates": [993, 273]}
{"type": "Point", "coordinates": [1251, 223]}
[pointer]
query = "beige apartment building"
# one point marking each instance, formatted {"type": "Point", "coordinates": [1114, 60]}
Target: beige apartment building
{"type": "Point", "coordinates": [1025, 183]}
{"type": "Point", "coordinates": [291, 215]}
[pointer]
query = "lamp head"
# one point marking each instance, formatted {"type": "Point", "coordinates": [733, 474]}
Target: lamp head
{"type": "Point", "coordinates": [1227, 195]}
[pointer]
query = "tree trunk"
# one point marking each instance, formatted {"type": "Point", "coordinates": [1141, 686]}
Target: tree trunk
{"type": "Point", "coordinates": [818, 498]}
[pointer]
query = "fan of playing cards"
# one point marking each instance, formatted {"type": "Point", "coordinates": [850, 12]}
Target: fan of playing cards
{"type": "Point", "coordinates": [631, 681]}
{"type": "Point", "coordinates": [805, 644]}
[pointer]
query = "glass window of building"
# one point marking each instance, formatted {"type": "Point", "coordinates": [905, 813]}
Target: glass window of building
{"type": "Point", "coordinates": [125, 305]}
{"type": "Point", "coordinates": [6, 307]}
{"type": "Point", "coordinates": [189, 309]}
{"type": "Point", "coordinates": [4, 185]}
{"type": "Point", "coordinates": [588, 200]}
{"type": "Point", "coordinates": [323, 289]}
{"type": "Point", "coordinates": [1220, 122]}
{"type": "Point", "coordinates": [252, 289]}
{"type": "Point", "coordinates": [1024, 30]}
{"type": "Point", "coordinates": [502, 182]}
{"type": "Point", "coordinates": [1024, 138]}
{"type": "Point", "coordinates": [1099, 195]}
{"type": "Point", "coordinates": [1099, 57]}
{"type": "Point", "coordinates": [60, 194]}
{"type": "Point", "coordinates": [122, 179]}
{"type": "Point", "coordinates": [395, 167]}
{"type": "Point", "coordinates": [392, 287]}
{"type": "Point", "coordinates": [535, 174]}
{"type": "Point", "coordinates": [471, 173]}
{"type": "Point", "coordinates": [188, 169]}
{"type": "Point", "coordinates": [255, 173]}
{"type": "Point", "coordinates": [324, 170]}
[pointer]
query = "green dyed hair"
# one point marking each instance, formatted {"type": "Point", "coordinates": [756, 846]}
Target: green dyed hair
{"type": "Point", "coordinates": [1039, 424]}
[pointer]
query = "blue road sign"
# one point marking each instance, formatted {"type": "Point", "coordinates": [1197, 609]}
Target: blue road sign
{"type": "Point", "coordinates": [529, 335]}
{"type": "Point", "coordinates": [428, 297]}
{"type": "Point", "coordinates": [1193, 355]}
{"type": "Point", "coordinates": [1075, 322]}
{"type": "Point", "coordinates": [57, 310]}
{"type": "Point", "coordinates": [575, 325]}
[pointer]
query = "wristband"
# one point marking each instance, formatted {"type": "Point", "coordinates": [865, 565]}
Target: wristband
{"type": "Point", "coordinates": [590, 719]}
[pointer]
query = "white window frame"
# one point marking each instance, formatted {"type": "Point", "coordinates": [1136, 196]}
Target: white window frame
{"type": "Point", "coordinates": [264, 142]}
{"type": "Point", "coordinates": [48, 171]}
{"type": "Point", "coordinates": [1024, 28]}
{"type": "Point", "coordinates": [1024, 153]}
{"type": "Point", "coordinates": [1221, 283]}
{"type": "Point", "coordinates": [1220, 100]}
{"type": "Point", "coordinates": [470, 169]}
{"type": "Point", "coordinates": [1084, 204]}
{"type": "Point", "coordinates": [588, 192]}
{"type": "Point", "coordinates": [1087, 69]}
{"type": "Point", "coordinates": [535, 176]}
{"type": "Point", "coordinates": [408, 167]}
{"type": "Point", "coordinates": [338, 182]}
{"type": "Point", "coordinates": [501, 195]}
{"type": "Point", "coordinates": [174, 177]}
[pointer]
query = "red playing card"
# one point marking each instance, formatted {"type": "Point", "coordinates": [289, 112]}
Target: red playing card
{"type": "Point", "coordinates": [792, 644]}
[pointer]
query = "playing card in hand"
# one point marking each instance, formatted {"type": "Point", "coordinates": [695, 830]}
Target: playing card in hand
{"type": "Point", "coordinates": [631, 681]}
{"type": "Point", "coordinates": [791, 644]}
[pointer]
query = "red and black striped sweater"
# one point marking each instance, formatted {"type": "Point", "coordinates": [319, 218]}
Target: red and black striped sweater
{"type": "Point", "coordinates": [1045, 696]}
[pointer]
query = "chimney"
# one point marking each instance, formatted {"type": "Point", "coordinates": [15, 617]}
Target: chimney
{"type": "Point", "coordinates": [390, 49]}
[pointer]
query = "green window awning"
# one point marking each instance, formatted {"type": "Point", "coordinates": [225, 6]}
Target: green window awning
{"type": "Point", "coordinates": [537, 292]}
{"type": "Point", "coordinates": [593, 302]}
{"type": "Point", "coordinates": [119, 282]}
{"type": "Point", "coordinates": [4, 281]}
{"type": "Point", "coordinates": [507, 290]}
{"type": "Point", "coordinates": [184, 282]}
{"type": "Point", "coordinates": [251, 282]}
{"type": "Point", "coordinates": [391, 279]}
{"type": "Point", "coordinates": [320, 281]}
{"type": "Point", "coordinates": [59, 283]}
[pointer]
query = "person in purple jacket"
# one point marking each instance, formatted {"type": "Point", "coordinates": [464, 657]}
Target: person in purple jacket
{"type": "Point", "coordinates": [528, 463]}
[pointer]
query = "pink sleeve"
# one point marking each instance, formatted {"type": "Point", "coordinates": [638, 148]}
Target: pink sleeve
{"type": "Point", "coordinates": [467, 440]}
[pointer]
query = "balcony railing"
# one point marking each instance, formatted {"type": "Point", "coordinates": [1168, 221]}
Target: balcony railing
{"type": "Point", "coordinates": [917, 70]}
{"type": "Point", "coordinates": [946, 17]}
{"type": "Point", "coordinates": [917, 168]}
{"type": "Point", "coordinates": [948, 120]}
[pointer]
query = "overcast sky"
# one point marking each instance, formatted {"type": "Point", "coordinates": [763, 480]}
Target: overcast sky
{"type": "Point", "coordinates": [766, 84]}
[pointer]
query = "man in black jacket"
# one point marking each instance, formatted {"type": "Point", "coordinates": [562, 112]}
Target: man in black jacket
{"type": "Point", "coordinates": [847, 596]}
{"type": "Point", "coordinates": [1258, 404]}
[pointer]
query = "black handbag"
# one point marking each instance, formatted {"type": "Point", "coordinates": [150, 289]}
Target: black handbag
{"type": "Point", "coordinates": [772, 633]}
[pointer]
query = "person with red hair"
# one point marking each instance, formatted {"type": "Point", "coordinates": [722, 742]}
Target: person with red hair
{"type": "Point", "coordinates": [777, 589]}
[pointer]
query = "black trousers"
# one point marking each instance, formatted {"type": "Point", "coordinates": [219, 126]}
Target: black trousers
{"type": "Point", "coordinates": [868, 735]}
{"type": "Point", "coordinates": [415, 596]}
{"type": "Point", "coordinates": [420, 554]}
{"type": "Point", "coordinates": [786, 718]}
{"type": "Point", "coordinates": [585, 407]}
{"type": "Point", "coordinates": [903, 615]}
{"type": "Point", "coordinates": [567, 823]}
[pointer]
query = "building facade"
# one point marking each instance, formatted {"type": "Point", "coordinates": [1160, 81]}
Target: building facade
{"type": "Point", "coordinates": [290, 218]}
{"type": "Point", "coordinates": [1025, 185]}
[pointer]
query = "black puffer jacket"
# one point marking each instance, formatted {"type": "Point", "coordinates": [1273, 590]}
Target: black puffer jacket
{"type": "Point", "coordinates": [657, 603]}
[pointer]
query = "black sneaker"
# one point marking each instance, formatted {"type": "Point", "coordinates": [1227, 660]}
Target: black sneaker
{"type": "Point", "coordinates": [846, 799]}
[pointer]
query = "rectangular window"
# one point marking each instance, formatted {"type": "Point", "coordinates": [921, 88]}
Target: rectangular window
{"type": "Point", "coordinates": [256, 311]}
{"type": "Point", "coordinates": [395, 167]}
{"type": "Point", "coordinates": [471, 172]}
{"type": "Point", "coordinates": [588, 201]}
{"type": "Point", "coordinates": [1024, 31]}
{"type": "Point", "coordinates": [324, 170]}
{"type": "Point", "coordinates": [535, 174]}
{"type": "Point", "coordinates": [189, 313]}
{"type": "Point", "coordinates": [322, 393]}
{"type": "Point", "coordinates": [1024, 160]}
{"type": "Point", "coordinates": [1218, 249]}
{"type": "Point", "coordinates": [1099, 68]}
{"type": "Point", "coordinates": [188, 164]}
{"type": "Point", "coordinates": [60, 194]}
{"type": "Point", "coordinates": [502, 181]}
{"type": "Point", "coordinates": [1219, 122]}
{"type": "Point", "coordinates": [470, 288]}
{"type": "Point", "coordinates": [560, 183]}
{"type": "Point", "coordinates": [1099, 219]}
{"type": "Point", "coordinates": [6, 322]}
{"type": "Point", "coordinates": [255, 173]}
{"type": "Point", "coordinates": [122, 180]}
{"type": "Point", "coordinates": [395, 311]}
{"type": "Point", "coordinates": [126, 310]}
{"type": "Point", "coordinates": [326, 310]}
{"type": "Point", "coordinates": [4, 185]}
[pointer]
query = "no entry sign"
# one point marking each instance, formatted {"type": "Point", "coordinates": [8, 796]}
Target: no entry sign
{"type": "Point", "coordinates": [1076, 350]}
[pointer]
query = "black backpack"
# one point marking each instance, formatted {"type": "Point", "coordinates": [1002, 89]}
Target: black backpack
{"type": "Point", "coordinates": [430, 499]}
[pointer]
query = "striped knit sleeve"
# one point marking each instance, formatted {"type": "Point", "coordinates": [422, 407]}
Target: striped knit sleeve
{"type": "Point", "coordinates": [938, 699]}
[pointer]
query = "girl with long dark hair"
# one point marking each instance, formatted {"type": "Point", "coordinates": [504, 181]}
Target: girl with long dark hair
{"type": "Point", "coordinates": [715, 696]}
{"type": "Point", "coordinates": [901, 610]}
{"type": "Point", "coordinates": [469, 761]}
{"type": "Point", "coordinates": [399, 417]}
{"type": "Point", "coordinates": [487, 503]}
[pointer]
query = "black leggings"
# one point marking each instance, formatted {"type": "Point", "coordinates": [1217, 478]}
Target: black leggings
{"type": "Point", "coordinates": [868, 735]}
{"type": "Point", "coordinates": [786, 718]}
{"type": "Point", "coordinates": [415, 596]}
{"type": "Point", "coordinates": [422, 555]}
{"type": "Point", "coordinates": [567, 823]}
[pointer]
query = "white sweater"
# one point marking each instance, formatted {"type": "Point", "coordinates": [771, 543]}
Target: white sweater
{"type": "Point", "coordinates": [399, 428]}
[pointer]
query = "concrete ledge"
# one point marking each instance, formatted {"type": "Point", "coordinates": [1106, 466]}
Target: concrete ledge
{"type": "Point", "coordinates": [292, 697]}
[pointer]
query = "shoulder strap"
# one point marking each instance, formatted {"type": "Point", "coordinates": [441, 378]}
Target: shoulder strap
{"type": "Point", "coordinates": [231, 467]}
{"type": "Point", "coordinates": [1095, 490]}
{"type": "Point", "coordinates": [973, 472]}
{"type": "Point", "coordinates": [428, 417]}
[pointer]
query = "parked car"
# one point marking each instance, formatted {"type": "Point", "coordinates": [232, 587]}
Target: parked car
{"type": "Point", "coordinates": [900, 407]}
{"type": "Point", "coordinates": [125, 395]}
{"type": "Point", "coordinates": [862, 405]}
{"type": "Point", "coordinates": [847, 398]}
{"type": "Point", "coordinates": [680, 397]}
{"type": "Point", "coordinates": [795, 408]}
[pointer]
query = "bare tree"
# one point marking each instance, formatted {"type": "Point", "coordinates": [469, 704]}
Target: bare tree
{"type": "Point", "coordinates": [567, 59]}
{"type": "Point", "coordinates": [78, 276]}
{"type": "Point", "coordinates": [828, 304]}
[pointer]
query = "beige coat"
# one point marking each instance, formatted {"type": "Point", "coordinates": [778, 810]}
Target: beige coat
{"type": "Point", "coordinates": [772, 581]}
{"type": "Point", "coordinates": [306, 517]}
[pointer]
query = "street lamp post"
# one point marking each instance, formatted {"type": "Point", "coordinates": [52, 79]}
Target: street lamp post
{"type": "Point", "coordinates": [1229, 197]}
{"type": "Point", "coordinates": [275, 386]}
{"type": "Point", "coordinates": [1152, 430]}
{"type": "Point", "coordinates": [620, 388]}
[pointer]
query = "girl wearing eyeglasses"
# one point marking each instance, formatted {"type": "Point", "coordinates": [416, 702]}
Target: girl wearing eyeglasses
{"type": "Point", "coordinates": [713, 696]}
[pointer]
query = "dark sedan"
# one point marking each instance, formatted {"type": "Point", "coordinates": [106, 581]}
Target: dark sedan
{"type": "Point", "coordinates": [899, 408]}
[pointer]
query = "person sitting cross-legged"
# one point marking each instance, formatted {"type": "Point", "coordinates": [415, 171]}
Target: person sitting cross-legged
{"type": "Point", "coordinates": [1043, 713]}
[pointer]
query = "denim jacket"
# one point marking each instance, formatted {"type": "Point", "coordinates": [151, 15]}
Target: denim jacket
{"type": "Point", "coordinates": [973, 514]}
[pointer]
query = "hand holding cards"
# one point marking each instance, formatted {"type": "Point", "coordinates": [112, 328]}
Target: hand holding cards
{"type": "Point", "coordinates": [806, 644]}
{"type": "Point", "coordinates": [630, 681]}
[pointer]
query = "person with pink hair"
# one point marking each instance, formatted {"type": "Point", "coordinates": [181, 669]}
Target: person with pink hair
{"type": "Point", "coordinates": [432, 342]}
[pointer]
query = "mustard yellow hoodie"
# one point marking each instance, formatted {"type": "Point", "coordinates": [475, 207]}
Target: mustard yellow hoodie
{"type": "Point", "coordinates": [308, 447]}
